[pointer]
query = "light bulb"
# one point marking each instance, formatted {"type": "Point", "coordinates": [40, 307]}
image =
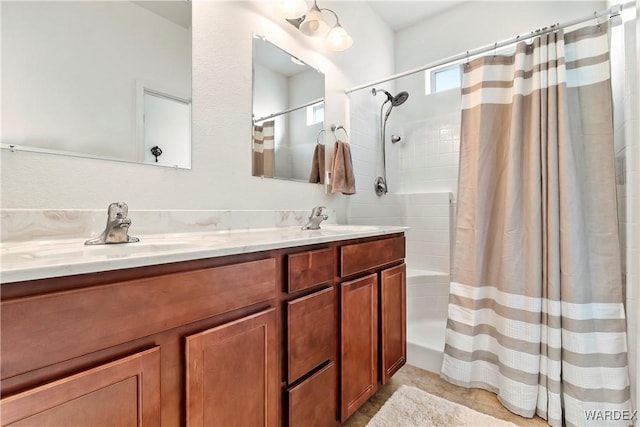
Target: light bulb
{"type": "Point", "coordinates": [338, 39]}
{"type": "Point", "coordinates": [313, 24]}
{"type": "Point", "coordinates": [291, 9]}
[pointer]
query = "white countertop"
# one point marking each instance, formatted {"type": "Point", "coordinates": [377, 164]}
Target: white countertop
{"type": "Point", "coordinates": [39, 259]}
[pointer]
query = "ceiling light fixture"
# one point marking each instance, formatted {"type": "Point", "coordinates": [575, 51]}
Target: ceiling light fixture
{"type": "Point", "coordinates": [311, 23]}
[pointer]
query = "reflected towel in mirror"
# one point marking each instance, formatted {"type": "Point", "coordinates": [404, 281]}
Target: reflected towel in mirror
{"type": "Point", "coordinates": [263, 149]}
{"type": "Point", "coordinates": [317, 165]}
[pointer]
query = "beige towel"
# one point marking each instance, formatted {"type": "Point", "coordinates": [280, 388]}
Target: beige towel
{"type": "Point", "coordinates": [342, 179]}
{"type": "Point", "coordinates": [317, 165]}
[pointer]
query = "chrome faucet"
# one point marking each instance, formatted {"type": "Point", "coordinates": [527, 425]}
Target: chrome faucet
{"type": "Point", "coordinates": [315, 219]}
{"type": "Point", "coordinates": [117, 229]}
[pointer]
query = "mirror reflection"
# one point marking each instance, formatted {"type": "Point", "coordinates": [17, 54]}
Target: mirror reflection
{"type": "Point", "coordinates": [98, 79]}
{"type": "Point", "coordinates": [288, 116]}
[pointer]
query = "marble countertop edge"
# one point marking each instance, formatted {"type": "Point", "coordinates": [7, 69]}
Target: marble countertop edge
{"type": "Point", "coordinates": [42, 259]}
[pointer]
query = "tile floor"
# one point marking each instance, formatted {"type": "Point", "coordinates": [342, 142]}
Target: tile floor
{"type": "Point", "coordinates": [479, 400]}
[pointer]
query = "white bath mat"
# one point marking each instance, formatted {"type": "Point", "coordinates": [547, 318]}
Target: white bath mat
{"type": "Point", "coordinates": [412, 407]}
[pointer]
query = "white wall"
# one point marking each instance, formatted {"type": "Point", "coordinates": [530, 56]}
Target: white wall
{"type": "Point", "coordinates": [222, 81]}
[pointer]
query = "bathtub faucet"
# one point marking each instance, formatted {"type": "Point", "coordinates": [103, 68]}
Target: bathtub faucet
{"type": "Point", "coordinates": [117, 229]}
{"type": "Point", "coordinates": [315, 219]}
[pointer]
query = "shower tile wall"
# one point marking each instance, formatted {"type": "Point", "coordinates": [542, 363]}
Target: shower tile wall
{"type": "Point", "coordinates": [429, 156]}
{"type": "Point", "coordinates": [428, 240]}
{"type": "Point", "coordinates": [365, 207]}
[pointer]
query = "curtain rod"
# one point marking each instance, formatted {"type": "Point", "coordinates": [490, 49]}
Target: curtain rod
{"type": "Point", "coordinates": [270, 116]}
{"type": "Point", "coordinates": [611, 12]}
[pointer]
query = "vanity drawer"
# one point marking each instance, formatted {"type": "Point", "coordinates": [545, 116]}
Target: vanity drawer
{"type": "Point", "coordinates": [313, 402]}
{"type": "Point", "coordinates": [361, 257]}
{"type": "Point", "coordinates": [311, 332]}
{"type": "Point", "coordinates": [55, 327]}
{"type": "Point", "coordinates": [308, 269]}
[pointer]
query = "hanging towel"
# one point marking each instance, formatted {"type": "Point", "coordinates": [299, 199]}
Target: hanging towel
{"type": "Point", "coordinates": [317, 165]}
{"type": "Point", "coordinates": [342, 179]}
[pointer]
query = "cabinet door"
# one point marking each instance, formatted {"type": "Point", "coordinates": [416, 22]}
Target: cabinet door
{"type": "Point", "coordinates": [121, 393]}
{"type": "Point", "coordinates": [359, 344]}
{"type": "Point", "coordinates": [393, 336]}
{"type": "Point", "coordinates": [232, 373]}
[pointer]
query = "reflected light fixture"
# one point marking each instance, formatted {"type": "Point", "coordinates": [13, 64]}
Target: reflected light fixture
{"type": "Point", "coordinates": [311, 23]}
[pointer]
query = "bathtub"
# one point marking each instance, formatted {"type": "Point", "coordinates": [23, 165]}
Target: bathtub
{"type": "Point", "coordinates": [427, 300]}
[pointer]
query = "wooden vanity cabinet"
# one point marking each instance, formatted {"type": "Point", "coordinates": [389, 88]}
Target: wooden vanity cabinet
{"type": "Point", "coordinates": [287, 337]}
{"type": "Point", "coordinates": [131, 351]}
{"type": "Point", "coordinates": [373, 318]}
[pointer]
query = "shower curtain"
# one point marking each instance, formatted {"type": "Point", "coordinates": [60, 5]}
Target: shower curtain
{"type": "Point", "coordinates": [264, 149]}
{"type": "Point", "coordinates": [535, 311]}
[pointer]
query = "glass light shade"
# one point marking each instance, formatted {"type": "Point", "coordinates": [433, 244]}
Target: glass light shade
{"type": "Point", "coordinates": [291, 9]}
{"type": "Point", "coordinates": [338, 39]}
{"type": "Point", "coordinates": [313, 24]}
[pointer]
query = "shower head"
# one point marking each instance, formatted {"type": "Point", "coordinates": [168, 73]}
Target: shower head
{"type": "Point", "coordinates": [400, 98]}
{"type": "Point", "coordinates": [375, 91]}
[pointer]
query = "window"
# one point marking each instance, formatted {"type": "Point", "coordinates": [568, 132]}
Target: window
{"type": "Point", "coordinates": [446, 77]}
{"type": "Point", "coordinates": [315, 113]}
{"type": "Point", "coordinates": [441, 79]}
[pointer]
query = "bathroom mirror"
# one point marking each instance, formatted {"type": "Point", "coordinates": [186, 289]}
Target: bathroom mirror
{"type": "Point", "coordinates": [100, 79]}
{"type": "Point", "coordinates": [288, 116]}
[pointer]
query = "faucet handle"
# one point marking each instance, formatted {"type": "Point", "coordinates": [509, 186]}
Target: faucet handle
{"type": "Point", "coordinates": [317, 211]}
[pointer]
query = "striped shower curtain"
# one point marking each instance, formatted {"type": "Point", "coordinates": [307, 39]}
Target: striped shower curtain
{"type": "Point", "coordinates": [264, 149]}
{"type": "Point", "coordinates": [535, 310]}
